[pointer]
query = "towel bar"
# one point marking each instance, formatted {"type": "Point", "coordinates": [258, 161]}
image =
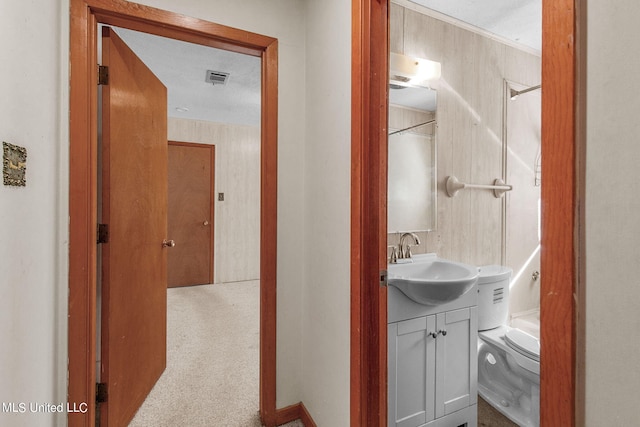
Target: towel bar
{"type": "Point", "coordinates": [498, 187]}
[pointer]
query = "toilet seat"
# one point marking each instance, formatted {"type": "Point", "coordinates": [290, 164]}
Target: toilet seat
{"type": "Point", "coordinates": [497, 336]}
{"type": "Point", "coordinates": [523, 343]}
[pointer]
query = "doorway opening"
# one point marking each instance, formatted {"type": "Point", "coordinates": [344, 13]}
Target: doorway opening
{"type": "Point", "coordinates": [561, 295]}
{"type": "Point", "coordinates": [227, 115]}
{"type": "Point", "coordinates": [85, 17]}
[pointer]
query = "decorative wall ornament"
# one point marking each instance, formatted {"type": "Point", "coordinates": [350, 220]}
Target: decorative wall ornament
{"type": "Point", "coordinates": [14, 165]}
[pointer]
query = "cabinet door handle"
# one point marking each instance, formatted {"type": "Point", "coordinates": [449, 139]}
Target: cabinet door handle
{"type": "Point", "coordinates": [435, 334]}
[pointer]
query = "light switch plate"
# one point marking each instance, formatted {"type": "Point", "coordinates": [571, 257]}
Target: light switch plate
{"type": "Point", "coordinates": [14, 165]}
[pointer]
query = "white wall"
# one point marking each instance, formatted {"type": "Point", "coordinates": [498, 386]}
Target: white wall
{"type": "Point", "coordinates": [33, 226]}
{"type": "Point", "coordinates": [326, 291]}
{"type": "Point", "coordinates": [612, 206]}
{"type": "Point", "coordinates": [33, 230]}
{"type": "Point", "coordinates": [237, 175]}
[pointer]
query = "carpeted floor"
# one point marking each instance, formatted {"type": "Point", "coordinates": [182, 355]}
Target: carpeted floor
{"type": "Point", "coordinates": [212, 371]}
{"type": "Point", "coordinates": [211, 380]}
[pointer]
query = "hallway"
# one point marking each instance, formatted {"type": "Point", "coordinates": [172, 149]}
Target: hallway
{"type": "Point", "coordinates": [212, 359]}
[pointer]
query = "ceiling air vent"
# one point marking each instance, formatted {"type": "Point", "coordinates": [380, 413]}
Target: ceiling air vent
{"type": "Point", "coordinates": [216, 77]}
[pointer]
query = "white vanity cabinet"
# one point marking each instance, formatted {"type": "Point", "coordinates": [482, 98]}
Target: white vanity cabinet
{"type": "Point", "coordinates": [432, 362]}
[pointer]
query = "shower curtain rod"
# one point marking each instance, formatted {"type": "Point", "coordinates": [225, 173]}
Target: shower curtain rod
{"type": "Point", "coordinates": [515, 93]}
{"type": "Point", "coordinates": [412, 127]}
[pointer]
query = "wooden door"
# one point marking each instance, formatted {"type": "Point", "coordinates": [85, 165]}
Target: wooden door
{"type": "Point", "coordinates": [190, 213]}
{"type": "Point", "coordinates": [134, 281]}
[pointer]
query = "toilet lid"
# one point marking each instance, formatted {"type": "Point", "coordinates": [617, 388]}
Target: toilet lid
{"type": "Point", "coordinates": [523, 343]}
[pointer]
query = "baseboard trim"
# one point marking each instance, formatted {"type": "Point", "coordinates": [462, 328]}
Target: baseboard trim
{"type": "Point", "coordinates": [305, 417]}
{"type": "Point", "coordinates": [288, 414]}
{"type": "Point", "coordinates": [294, 412]}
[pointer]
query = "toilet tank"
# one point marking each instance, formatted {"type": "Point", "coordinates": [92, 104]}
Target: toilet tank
{"type": "Point", "coordinates": [493, 296]}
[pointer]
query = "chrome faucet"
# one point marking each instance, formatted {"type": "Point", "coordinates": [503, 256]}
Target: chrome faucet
{"type": "Point", "coordinates": [404, 250]}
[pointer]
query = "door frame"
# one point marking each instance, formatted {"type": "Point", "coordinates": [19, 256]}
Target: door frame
{"type": "Point", "coordinates": [84, 18]}
{"type": "Point", "coordinates": [212, 149]}
{"type": "Point", "coordinates": [562, 289]}
{"type": "Point", "coordinates": [369, 106]}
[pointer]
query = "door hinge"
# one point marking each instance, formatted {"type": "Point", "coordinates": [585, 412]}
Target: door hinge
{"type": "Point", "coordinates": [103, 233]}
{"type": "Point", "coordinates": [103, 75]}
{"type": "Point", "coordinates": [383, 278]}
{"type": "Point", "coordinates": [101, 392]}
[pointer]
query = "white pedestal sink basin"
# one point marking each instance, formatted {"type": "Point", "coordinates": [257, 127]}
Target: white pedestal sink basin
{"type": "Point", "coordinates": [431, 280]}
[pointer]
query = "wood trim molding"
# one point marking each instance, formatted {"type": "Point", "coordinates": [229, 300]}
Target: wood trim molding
{"type": "Point", "coordinates": [82, 215]}
{"type": "Point", "coordinates": [305, 417]}
{"type": "Point", "coordinates": [295, 412]}
{"type": "Point", "coordinates": [370, 46]}
{"type": "Point", "coordinates": [561, 295]}
{"type": "Point", "coordinates": [287, 414]}
{"type": "Point", "coordinates": [560, 217]}
{"type": "Point", "coordinates": [580, 324]}
{"type": "Point", "coordinates": [84, 17]}
{"type": "Point", "coordinates": [268, 231]}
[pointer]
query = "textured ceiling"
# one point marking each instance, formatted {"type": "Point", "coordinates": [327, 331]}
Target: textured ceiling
{"type": "Point", "coordinates": [516, 20]}
{"type": "Point", "coordinates": [182, 66]}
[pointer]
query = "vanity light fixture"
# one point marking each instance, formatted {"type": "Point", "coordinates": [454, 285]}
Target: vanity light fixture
{"type": "Point", "coordinates": [408, 71]}
{"type": "Point", "coordinates": [514, 93]}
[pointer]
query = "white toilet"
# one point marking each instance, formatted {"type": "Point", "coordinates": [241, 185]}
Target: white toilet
{"type": "Point", "coordinates": [508, 358]}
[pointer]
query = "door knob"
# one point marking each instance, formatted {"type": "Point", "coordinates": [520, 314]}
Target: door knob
{"type": "Point", "coordinates": [168, 243]}
{"type": "Point", "coordinates": [205, 223]}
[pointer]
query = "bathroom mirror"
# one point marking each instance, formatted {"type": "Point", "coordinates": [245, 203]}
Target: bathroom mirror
{"type": "Point", "coordinates": [411, 203]}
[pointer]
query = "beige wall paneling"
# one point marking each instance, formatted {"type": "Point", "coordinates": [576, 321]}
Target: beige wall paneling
{"type": "Point", "coordinates": [470, 143]}
{"type": "Point", "coordinates": [524, 69]}
{"type": "Point", "coordinates": [237, 218]}
{"type": "Point", "coordinates": [396, 28]}
{"type": "Point", "coordinates": [522, 239]}
{"type": "Point", "coordinates": [486, 210]}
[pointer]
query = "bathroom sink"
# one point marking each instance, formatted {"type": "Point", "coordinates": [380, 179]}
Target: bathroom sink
{"type": "Point", "coordinates": [430, 280]}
